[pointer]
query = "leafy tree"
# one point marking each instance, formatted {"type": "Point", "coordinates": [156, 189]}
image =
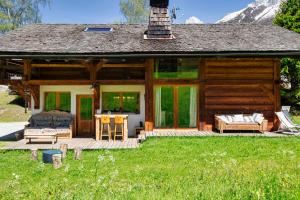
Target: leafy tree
{"type": "Point", "coordinates": [289, 17]}
{"type": "Point", "coordinates": [15, 13]}
{"type": "Point", "coordinates": [135, 11]}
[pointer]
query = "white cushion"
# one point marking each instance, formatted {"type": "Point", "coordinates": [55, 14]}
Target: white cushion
{"type": "Point", "coordinates": [229, 118]}
{"type": "Point", "coordinates": [247, 119]}
{"type": "Point", "coordinates": [223, 118]}
{"type": "Point", "coordinates": [259, 119]}
{"type": "Point", "coordinates": [238, 118]}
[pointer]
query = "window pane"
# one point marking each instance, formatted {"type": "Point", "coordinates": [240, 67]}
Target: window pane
{"type": "Point", "coordinates": [50, 101]}
{"type": "Point", "coordinates": [131, 102]}
{"type": "Point", "coordinates": [164, 107]}
{"type": "Point", "coordinates": [187, 107]}
{"type": "Point", "coordinates": [186, 68]}
{"type": "Point", "coordinates": [86, 108]}
{"type": "Point", "coordinates": [65, 102]}
{"type": "Point", "coordinates": [111, 101]}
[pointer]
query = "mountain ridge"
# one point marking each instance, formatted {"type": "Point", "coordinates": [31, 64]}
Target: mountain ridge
{"type": "Point", "coordinates": [260, 11]}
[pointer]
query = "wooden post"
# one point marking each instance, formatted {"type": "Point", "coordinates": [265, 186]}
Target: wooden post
{"type": "Point", "coordinates": [77, 153]}
{"type": "Point", "coordinates": [202, 115]}
{"type": "Point", "coordinates": [27, 70]}
{"type": "Point", "coordinates": [64, 149]}
{"type": "Point", "coordinates": [97, 129]}
{"type": "Point", "coordinates": [277, 96]}
{"type": "Point", "coordinates": [57, 161]}
{"type": "Point", "coordinates": [34, 154]}
{"type": "Point", "coordinates": [149, 116]}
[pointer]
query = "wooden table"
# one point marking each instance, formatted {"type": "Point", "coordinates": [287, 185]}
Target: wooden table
{"type": "Point", "coordinates": [112, 117]}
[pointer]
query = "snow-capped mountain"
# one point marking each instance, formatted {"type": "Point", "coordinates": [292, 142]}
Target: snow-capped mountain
{"type": "Point", "coordinates": [261, 11]}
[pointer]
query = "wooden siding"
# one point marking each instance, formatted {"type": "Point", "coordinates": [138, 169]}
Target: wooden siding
{"type": "Point", "coordinates": [240, 86]}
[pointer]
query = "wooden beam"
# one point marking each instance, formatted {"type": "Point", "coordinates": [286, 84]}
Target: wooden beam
{"type": "Point", "coordinates": [96, 92]}
{"type": "Point", "coordinates": [105, 65]}
{"type": "Point", "coordinates": [60, 82]}
{"type": "Point", "coordinates": [35, 93]}
{"type": "Point", "coordinates": [99, 65]}
{"type": "Point", "coordinates": [27, 70]}
{"type": "Point", "coordinates": [277, 96]}
{"type": "Point", "coordinates": [121, 82]}
{"type": "Point", "coordinates": [86, 82]}
{"type": "Point", "coordinates": [175, 82]}
{"type": "Point", "coordinates": [202, 107]}
{"type": "Point", "coordinates": [63, 65]}
{"type": "Point", "coordinates": [149, 105]}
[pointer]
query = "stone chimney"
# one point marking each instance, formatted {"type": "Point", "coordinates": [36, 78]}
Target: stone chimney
{"type": "Point", "coordinates": [159, 21]}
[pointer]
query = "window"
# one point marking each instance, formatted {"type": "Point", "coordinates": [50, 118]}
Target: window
{"type": "Point", "coordinates": [121, 102]}
{"type": "Point", "coordinates": [58, 101]}
{"type": "Point", "coordinates": [86, 108]}
{"type": "Point", "coordinates": [176, 68]}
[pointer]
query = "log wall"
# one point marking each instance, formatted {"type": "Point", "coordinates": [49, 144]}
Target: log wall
{"type": "Point", "coordinates": [240, 86]}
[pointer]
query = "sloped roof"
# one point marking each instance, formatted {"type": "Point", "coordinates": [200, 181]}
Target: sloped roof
{"type": "Point", "coordinates": [206, 39]}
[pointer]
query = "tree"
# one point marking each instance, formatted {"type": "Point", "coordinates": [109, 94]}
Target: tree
{"type": "Point", "coordinates": [289, 18]}
{"type": "Point", "coordinates": [16, 13]}
{"type": "Point", "coordinates": [135, 11]}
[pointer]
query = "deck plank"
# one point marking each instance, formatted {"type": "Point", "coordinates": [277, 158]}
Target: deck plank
{"type": "Point", "coordinates": [91, 144]}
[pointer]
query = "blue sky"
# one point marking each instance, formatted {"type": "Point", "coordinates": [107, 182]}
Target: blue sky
{"type": "Point", "coordinates": [107, 11]}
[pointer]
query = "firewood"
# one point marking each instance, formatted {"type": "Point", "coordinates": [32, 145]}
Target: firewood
{"type": "Point", "coordinates": [77, 152]}
{"type": "Point", "coordinates": [34, 154]}
{"type": "Point", "coordinates": [64, 149]}
{"type": "Point", "coordinates": [57, 163]}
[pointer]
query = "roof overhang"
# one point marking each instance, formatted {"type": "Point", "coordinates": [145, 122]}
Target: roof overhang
{"type": "Point", "coordinates": [11, 55]}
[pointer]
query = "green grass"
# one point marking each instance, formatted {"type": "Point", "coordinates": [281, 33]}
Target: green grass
{"type": "Point", "coordinates": [10, 110]}
{"type": "Point", "coordinates": [296, 119]}
{"type": "Point", "coordinates": [163, 168]}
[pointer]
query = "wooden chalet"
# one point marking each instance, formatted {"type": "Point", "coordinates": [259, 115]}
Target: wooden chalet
{"type": "Point", "coordinates": [165, 76]}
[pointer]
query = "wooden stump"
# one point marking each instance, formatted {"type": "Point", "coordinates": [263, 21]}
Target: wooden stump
{"type": "Point", "coordinates": [34, 154]}
{"type": "Point", "coordinates": [64, 149]}
{"type": "Point", "coordinates": [77, 152]}
{"type": "Point", "coordinates": [56, 158]}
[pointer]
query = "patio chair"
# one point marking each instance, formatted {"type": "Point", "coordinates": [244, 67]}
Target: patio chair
{"type": "Point", "coordinates": [105, 121]}
{"type": "Point", "coordinates": [287, 126]}
{"type": "Point", "coordinates": [119, 121]}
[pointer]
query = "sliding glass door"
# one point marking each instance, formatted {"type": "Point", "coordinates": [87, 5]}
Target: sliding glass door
{"type": "Point", "coordinates": [176, 106]}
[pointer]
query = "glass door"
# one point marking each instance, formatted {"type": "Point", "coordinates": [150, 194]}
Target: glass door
{"type": "Point", "coordinates": [187, 107]}
{"type": "Point", "coordinates": [164, 107]}
{"type": "Point", "coordinates": [176, 106]}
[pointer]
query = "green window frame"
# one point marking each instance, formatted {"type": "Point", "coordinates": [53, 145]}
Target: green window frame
{"type": "Point", "coordinates": [121, 102]}
{"type": "Point", "coordinates": [58, 101]}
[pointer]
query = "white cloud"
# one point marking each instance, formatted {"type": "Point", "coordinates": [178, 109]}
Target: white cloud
{"type": "Point", "coordinates": [193, 20]}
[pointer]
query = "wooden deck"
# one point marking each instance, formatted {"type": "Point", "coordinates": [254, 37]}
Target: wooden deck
{"type": "Point", "coordinates": [92, 144]}
{"type": "Point", "coordinates": [84, 143]}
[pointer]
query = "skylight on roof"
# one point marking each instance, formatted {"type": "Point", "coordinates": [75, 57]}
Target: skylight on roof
{"type": "Point", "coordinates": [98, 29]}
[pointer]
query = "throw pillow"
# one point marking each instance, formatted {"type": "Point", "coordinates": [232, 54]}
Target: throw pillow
{"type": "Point", "coordinates": [223, 118]}
{"type": "Point", "coordinates": [238, 118]}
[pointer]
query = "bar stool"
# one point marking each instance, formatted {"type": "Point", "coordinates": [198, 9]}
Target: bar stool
{"type": "Point", "coordinates": [105, 121]}
{"type": "Point", "coordinates": [119, 121]}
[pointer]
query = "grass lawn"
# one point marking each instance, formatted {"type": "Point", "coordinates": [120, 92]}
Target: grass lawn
{"type": "Point", "coordinates": [296, 119]}
{"type": "Point", "coordinates": [163, 168]}
{"type": "Point", "coordinates": [10, 111]}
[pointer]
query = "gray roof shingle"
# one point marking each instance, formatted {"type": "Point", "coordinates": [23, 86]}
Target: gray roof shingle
{"type": "Point", "coordinates": [128, 39]}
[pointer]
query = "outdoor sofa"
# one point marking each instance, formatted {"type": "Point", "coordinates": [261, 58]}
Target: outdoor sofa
{"type": "Point", "coordinates": [255, 122]}
{"type": "Point", "coordinates": [50, 125]}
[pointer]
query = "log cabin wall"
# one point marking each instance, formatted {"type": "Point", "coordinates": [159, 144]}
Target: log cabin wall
{"type": "Point", "coordinates": [240, 86]}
